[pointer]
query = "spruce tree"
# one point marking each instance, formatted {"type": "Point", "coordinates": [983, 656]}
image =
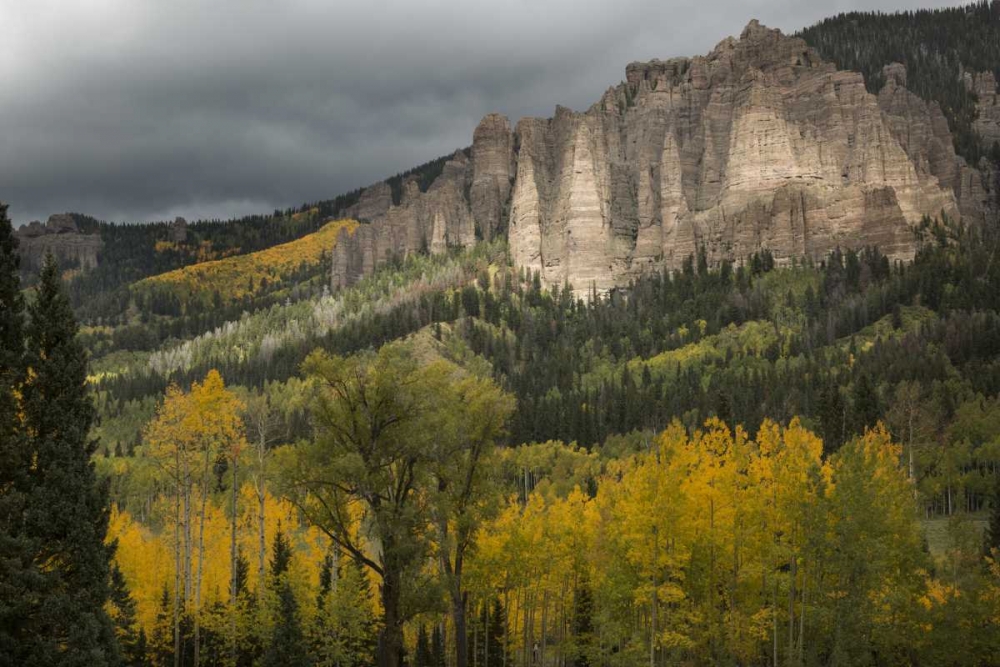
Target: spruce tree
{"type": "Point", "coordinates": [288, 644]}
{"type": "Point", "coordinates": [161, 640]}
{"type": "Point", "coordinates": [422, 654]}
{"type": "Point", "coordinates": [16, 574]}
{"type": "Point", "coordinates": [281, 554]}
{"type": "Point", "coordinates": [438, 658]}
{"type": "Point", "coordinates": [496, 627]}
{"type": "Point", "coordinates": [865, 404]}
{"type": "Point", "coordinates": [66, 511]}
{"type": "Point", "coordinates": [131, 641]}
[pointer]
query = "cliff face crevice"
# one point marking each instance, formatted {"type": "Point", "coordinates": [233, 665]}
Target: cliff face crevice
{"type": "Point", "coordinates": [759, 144]}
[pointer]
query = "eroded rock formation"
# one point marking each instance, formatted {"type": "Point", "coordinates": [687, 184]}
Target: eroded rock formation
{"type": "Point", "coordinates": [759, 144]}
{"type": "Point", "coordinates": [60, 236]}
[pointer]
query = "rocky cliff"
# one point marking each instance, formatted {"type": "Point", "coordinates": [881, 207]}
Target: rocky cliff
{"type": "Point", "coordinates": [60, 236]}
{"type": "Point", "coordinates": [759, 144]}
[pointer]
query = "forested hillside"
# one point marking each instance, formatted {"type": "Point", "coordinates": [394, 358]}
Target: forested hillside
{"type": "Point", "coordinates": [937, 46]}
{"type": "Point", "coordinates": [133, 251]}
{"type": "Point", "coordinates": [850, 383]}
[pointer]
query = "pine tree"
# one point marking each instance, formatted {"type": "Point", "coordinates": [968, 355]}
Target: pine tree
{"type": "Point", "coordinates": [288, 645]}
{"type": "Point", "coordinates": [16, 575]}
{"type": "Point", "coordinates": [130, 639]}
{"type": "Point", "coordinates": [865, 404]}
{"type": "Point", "coordinates": [242, 574]}
{"type": "Point", "coordinates": [438, 658]}
{"type": "Point", "coordinates": [422, 654]}
{"type": "Point", "coordinates": [281, 554]}
{"type": "Point", "coordinates": [496, 646]}
{"type": "Point", "coordinates": [161, 641]}
{"type": "Point", "coordinates": [325, 581]}
{"type": "Point", "coordinates": [66, 515]}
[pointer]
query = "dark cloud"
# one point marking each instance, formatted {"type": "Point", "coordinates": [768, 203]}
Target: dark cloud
{"type": "Point", "coordinates": [144, 109]}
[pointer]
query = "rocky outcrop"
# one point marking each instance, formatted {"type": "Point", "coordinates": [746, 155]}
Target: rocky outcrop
{"type": "Point", "coordinates": [759, 144]}
{"type": "Point", "coordinates": [60, 236]}
{"type": "Point", "coordinates": [493, 174]}
{"type": "Point", "coordinates": [987, 122]}
{"type": "Point", "coordinates": [373, 204]}
{"type": "Point", "coordinates": [430, 221]}
{"type": "Point", "coordinates": [178, 230]}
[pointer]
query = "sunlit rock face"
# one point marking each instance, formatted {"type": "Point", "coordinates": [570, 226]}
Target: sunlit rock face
{"type": "Point", "coordinates": [759, 144]}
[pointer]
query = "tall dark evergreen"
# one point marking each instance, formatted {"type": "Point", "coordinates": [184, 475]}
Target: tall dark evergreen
{"type": "Point", "coordinates": [131, 639]}
{"type": "Point", "coordinates": [422, 654]}
{"type": "Point", "coordinates": [865, 404]}
{"type": "Point", "coordinates": [496, 638]}
{"type": "Point", "coordinates": [281, 554]}
{"type": "Point", "coordinates": [15, 551]}
{"type": "Point", "coordinates": [66, 511]}
{"type": "Point", "coordinates": [438, 657]}
{"type": "Point", "coordinates": [288, 644]}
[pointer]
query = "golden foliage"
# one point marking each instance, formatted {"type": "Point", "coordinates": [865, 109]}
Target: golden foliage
{"type": "Point", "coordinates": [237, 276]}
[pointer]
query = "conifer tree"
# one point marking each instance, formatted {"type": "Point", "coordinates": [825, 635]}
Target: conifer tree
{"type": "Point", "coordinates": [281, 555]}
{"type": "Point", "coordinates": [130, 638]}
{"type": "Point", "coordinates": [438, 658]}
{"type": "Point", "coordinates": [496, 627]}
{"type": "Point", "coordinates": [288, 645]}
{"type": "Point", "coordinates": [161, 640]}
{"type": "Point", "coordinates": [422, 654]}
{"type": "Point", "coordinates": [66, 513]}
{"type": "Point", "coordinates": [15, 552]}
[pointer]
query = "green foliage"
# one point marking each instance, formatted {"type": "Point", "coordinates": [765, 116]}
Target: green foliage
{"type": "Point", "coordinates": [344, 632]}
{"type": "Point", "coordinates": [287, 646]}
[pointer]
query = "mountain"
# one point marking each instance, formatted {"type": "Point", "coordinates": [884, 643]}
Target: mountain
{"type": "Point", "coordinates": [761, 144]}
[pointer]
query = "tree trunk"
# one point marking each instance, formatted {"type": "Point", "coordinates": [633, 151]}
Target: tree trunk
{"type": "Point", "coordinates": [188, 546]}
{"type": "Point", "coordinates": [654, 603]}
{"type": "Point", "coordinates": [177, 577]}
{"type": "Point", "coordinates": [791, 608]}
{"type": "Point", "coordinates": [261, 508]}
{"type": "Point", "coordinates": [232, 564]}
{"type": "Point", "coordinates": [201, 560]}
{"type": "Point", "coordinates": [458, 608]}
{"type": "Point", "coordinates": [390, 643]}
{"type": "Point", "coordinates": [802, 620]}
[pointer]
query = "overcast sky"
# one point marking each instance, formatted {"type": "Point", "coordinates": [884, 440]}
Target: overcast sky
{"type": "Point", "coordinates": [146, 109]}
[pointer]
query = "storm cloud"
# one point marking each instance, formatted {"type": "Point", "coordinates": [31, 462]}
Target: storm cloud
{"type": "Point", "coordinates": [146, 109]}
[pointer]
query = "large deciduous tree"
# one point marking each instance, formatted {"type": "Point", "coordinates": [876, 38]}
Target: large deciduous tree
{"type": "Point", "coordinates": [395, 463]}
